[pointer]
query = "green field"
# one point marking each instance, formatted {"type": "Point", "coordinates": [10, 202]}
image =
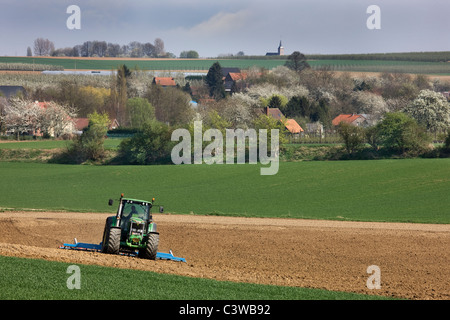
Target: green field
{"type": "Point", "coordinates": [408, 190]}
{"type": "Point", "coordinates": [28, 279]}
{"type": "Point", "coordinates": [353, 65]}
{"type": "Point", "coordinates": [111, 143]}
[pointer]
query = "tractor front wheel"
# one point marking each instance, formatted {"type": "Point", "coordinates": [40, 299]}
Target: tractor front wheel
{"type": "Point", "coordinates": [149, 252]}
{"type": "Point", "coordinates": [111, 239]}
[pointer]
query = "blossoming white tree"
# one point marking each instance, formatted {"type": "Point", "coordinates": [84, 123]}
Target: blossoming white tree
{"type": "Point", "coordinates": [21, 116]}
{"type": "Point", "coordinates": [431, 110]}
{"type": "Point", "coordinates": [25, 116]}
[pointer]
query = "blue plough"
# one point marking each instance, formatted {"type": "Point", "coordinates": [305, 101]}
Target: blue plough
{"type": "Point", "coordinates": [97, 248]}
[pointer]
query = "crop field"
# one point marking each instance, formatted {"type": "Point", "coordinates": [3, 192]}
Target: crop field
{"type": "Point", "coordinates": [202, 65]}
{"type": "Point", "coordinates": [413, 190]}
{"type": "Point", "coordinates": [308, 232]}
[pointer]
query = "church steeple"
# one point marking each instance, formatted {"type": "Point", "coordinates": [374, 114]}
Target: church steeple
{"type": "Point", "coordinates": [280, 49]}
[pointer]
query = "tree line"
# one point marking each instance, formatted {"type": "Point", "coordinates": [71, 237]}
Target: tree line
{"type": "Point", "coordinates": [134, 49]}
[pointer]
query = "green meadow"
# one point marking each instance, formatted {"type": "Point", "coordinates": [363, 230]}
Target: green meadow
{"type": "Point", "coordinates": [406, 190]}
{"type": "Point", "coordinates": [344, 63]}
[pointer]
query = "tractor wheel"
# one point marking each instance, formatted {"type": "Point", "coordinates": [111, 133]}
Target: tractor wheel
{"type": "Point", "coordinates": [111, 239]}
{"type": "Point", "coordinates": [149, 252]}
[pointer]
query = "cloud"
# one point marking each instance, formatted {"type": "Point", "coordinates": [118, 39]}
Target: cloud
{"type": "Point", "coordinates": [221, 23]}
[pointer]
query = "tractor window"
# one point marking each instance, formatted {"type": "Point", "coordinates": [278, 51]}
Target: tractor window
{"type": "Point", "coordinates": [135, 209]}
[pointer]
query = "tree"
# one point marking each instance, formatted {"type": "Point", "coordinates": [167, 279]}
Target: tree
{"type": "Point", "coordinates": [113, 50]}
{"type": "Point", "coordinates": [89, 145]}
{"type": "Point", "coordinates": [56, 118]}
{"type": "Point", "coordinates": [171, 104]}
{"type": "Point", "coordinates": [149, 50]}
{"type": "Point", "coordinates": [29, 53]}
{"type": "Point", "coordinates": [140, 112]}
{"type": "Point", "coordinates": [89, 99]}
{"type": "Point", "coordinates": [159, 47]}
{"type": "Point", "coordinates": [353, 136]}
{"type": "Point", "coordinates": [400, 132]}
{"type": "Point", "coordinates": [152, 145]}
{"type": "Point", "coordinates": [277, 101]}
{"type": "Point", "coordinates": [21, 116]}
{"type": "Point", "coordinates": [3, 104]}
{"type": "Point", "coordinates": [297, 62]}
{"type": "Point", "coordinates": [119, 91]}
{"type": "Point", "coordinates": [214, 81]}
{"type": "Point", "coordinates": [191, 54]}
{"type": "Point", "coordinates": [298, 106]}
{"type": "Point", "coordinates": [267, 122]}
{"type": "Point", "coordinates": [43, 47]}
{"type": "Point", "coordinates": [431, 110]}
{"type": "Point", "coordinates": [365, 102]}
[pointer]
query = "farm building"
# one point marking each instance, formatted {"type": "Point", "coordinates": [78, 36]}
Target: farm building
{"type": "Point", "coordinates": [81, 123]}
{"type": "Point", "coordinates": [291, 125]}
{"type": "Point", "coordinates": [354, 119]}
{"type": "Point", "coordinates": [315, 128]}
{"type": "Point", "coordinates": [164, 81]}
{"type": "Point", "coordinates": [275, 113]}
{"type": "Point", "coordinates": [233, 79]}
{"type": "Point", "coordinates": [11, 91]}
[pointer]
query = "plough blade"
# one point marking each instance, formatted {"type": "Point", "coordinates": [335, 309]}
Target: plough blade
{"type": "Point", "coordinates": [97, 248]}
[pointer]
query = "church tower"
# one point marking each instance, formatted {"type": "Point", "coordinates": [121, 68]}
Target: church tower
{"type": "Point", "coordinates": [280, 49]}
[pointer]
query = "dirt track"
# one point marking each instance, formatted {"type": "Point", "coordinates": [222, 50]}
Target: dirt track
{"type": "Point", "coordinates": [414, 259]}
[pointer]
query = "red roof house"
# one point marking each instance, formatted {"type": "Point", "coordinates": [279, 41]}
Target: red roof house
{"type": "Point", "coordinates": [81, 123]}
{"type": "Point", "coordinates": [293, 127]}
{"type": "Point", "coordinates": [353, 119]}
{"type": "Point", "coordinates": [164, 81]}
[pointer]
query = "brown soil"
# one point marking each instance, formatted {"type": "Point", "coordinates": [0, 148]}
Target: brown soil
{"type": "Point", "coordinates": [414, 259]}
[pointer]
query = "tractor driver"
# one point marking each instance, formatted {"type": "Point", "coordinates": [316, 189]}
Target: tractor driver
{"type": "Point", "coordinates": [126, 218]}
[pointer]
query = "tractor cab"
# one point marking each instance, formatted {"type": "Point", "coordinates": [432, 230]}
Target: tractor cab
{"type": "Point", "coordinates": [134, 218]}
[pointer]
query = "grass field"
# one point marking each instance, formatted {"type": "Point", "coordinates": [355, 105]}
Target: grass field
{"type": "Point", "coordinates": [408, 190]}
{"type": "Point", "coordinates": [110, 143]}
{"type": "Point", "coordinates": [422, 67]}
{"type": "Point", "coordinates": [28, 279]}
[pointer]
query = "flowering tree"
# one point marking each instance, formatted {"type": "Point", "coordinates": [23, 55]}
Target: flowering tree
{"type": "Point", "coordinates": [369, 103]}
{"type": "Point", "coordinates": [431, 110]}
{"type": "Point", "coordinates": [21, 116]}
{"type": "Point", "coordinates": [55, 118]}
{"type": "Point", "coordinates": [25, 116]}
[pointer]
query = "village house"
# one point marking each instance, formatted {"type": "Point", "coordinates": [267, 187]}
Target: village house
{"type": "Point", "coordinates": [315, 128]}
{"type": "Point", "coordinates": [354, 119]}
{"type": "Point", "coordinates": [164, 81]}
{"type": "Point", "coordinates": [234, 80]}
{"type": "Point", "coordinates": [82, 123]}
{"type": "Point", "coordinates": [291, 125]}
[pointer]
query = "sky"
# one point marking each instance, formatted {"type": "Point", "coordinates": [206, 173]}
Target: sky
{"type": "Point", "coordinates": [213, 27]}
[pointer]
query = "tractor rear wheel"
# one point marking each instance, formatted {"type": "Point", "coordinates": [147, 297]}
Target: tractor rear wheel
{"type": "Point", "coordinates": [111, 239]}
{"type": "Point", "coordinates": [149, 252]}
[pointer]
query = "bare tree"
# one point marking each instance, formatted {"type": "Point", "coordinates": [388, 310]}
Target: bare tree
{"type": "Point", "coordinates": [159, 47]}
{"type": "Point", "coordinates": [148, 49]}
{"type": "Point", "coordinates": [43, 47]}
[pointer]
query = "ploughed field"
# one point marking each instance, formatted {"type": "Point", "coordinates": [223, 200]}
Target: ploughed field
{"type": "Point", "coordinates": [414, 259]}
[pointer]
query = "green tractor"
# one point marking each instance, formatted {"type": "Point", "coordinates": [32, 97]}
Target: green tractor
{"type": "Point", "coordinates": [131, 229]}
